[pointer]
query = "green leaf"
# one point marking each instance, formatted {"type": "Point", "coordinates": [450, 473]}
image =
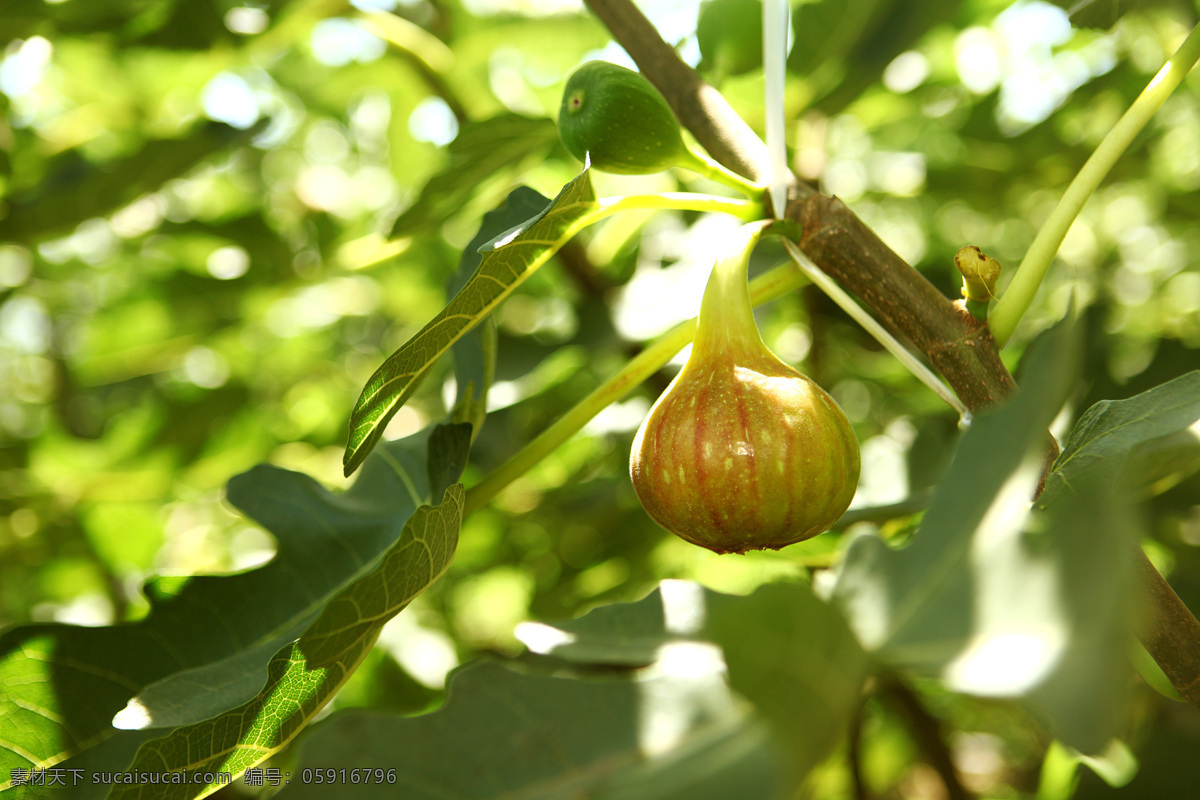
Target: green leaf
{"type": "Point", "coordinates": [1147, 438]}
{"type": "Point", "coordinates": [795, 658]}
{"type": "Point", "coordinates": [825, 30]}
{"type": "Point", "coordinates": [206, 643]}
{"type": "Point", "coordinates": [291, 505]}
{"type": "Point", "coordinates": [843, 47]}
{"type": "Point", "coordinates": [504, 734]}
{"type": "Point", "coordinates": [990, 604]}
{"type": "Point", "coordinates": [78, 191]}
{"type": "Point", "coordinates": [475, 352]}
{"type": "Point", "coordinates": [479, 151]}
{"type": "Point", "coordinates": [792, 655]}
{"type": "Point", "coordinates": [303, 677]}
{"type": "Point", "coordinates": [1077, 563]}
{"type": "Point", "coordinates": [508, 260]}
{"type": "Point", "coordinates": [1102, 13]}
{"type": "Point", "coordinates": [914, 606]}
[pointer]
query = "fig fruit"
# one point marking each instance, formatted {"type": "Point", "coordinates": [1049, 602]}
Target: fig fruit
{"type": "Point", "coordinates": [729, 33]}
{"type": "Point", "coordinates": [742, 452]}
{"type": "Point", "coordinates": [618, 118]}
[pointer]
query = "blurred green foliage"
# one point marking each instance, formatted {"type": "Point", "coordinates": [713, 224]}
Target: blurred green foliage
{"type": "Point", "coordinates": [216, 220]}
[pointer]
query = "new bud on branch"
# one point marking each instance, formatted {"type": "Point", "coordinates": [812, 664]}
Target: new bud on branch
{"type": "Point", "coordinates": [742, 452]}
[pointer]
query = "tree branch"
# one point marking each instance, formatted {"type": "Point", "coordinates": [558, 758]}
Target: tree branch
{"type": "Point", "coordinates": [927, 731]}
{"type": "Point", "coordinates": [1172, 632]}
{"type": "Point", "coordinates": [957, 344]}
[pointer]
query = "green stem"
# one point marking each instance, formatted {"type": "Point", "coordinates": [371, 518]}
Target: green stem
{"type": "Point", "coordinates": [978, 309]}
{"type": "Point", "coordinates": [679, 201]}
{"type": "Point", "coordinates": [726, 309]}
{"type": "Point", "coordinates": [768, 286]}
{"type": "Point", "coordinates": [1032, 271]}
{"type": "Point", "coordinates": [703, 165]}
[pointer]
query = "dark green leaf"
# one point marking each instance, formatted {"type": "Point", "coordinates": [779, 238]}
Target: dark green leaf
{"type": "Point", "coordinates": [828, 30]}
{"type": "Point", "coordinates": [795, 658]}
{"type": "Point", "coordinates": [78, 191]}
{"type": "Point", "coordinates": [503, 734]}
{"type": "Point", "coordinates": [1156, 429]}
{"type": "Point", "coordinates": [1102, 13]}
{"type": "Point", "coordinates": [448, 449]}
{"type": "Point", "coordinates": [790, 654]}
{"type": "Point", "coordinates": [205, 645]}
{"type": "Point", "coordinates": [304, 676]}
{"type": "Point", "coordinates": [859, 49]}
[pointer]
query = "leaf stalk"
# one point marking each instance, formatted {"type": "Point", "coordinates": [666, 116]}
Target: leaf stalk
{"type": "Point", "coordinates": [1032, 271]}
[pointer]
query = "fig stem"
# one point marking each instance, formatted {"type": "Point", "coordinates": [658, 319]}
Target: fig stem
{"type": "Point", "coordinates": [726, 307]}
{"type": "Point", "coordinates": [872, 326]}
{"type": "Point", "coordinates": [713, 170]}
{"type": "Point", "coordinates": [769, 286]}
{"type": "Point", "coordinates": [1029, 275]}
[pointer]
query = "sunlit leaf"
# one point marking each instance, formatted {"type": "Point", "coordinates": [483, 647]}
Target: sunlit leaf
{"type": "Point", "coordinates": [302, 677]}
{"type": "Point", "coordinates": [1077, 563]}
{"type": "Point", "coordinates": [792, 655]}
{"type": "Point", "coordinates": [990, 605]}
{"type": "Point", "coordinates": [508, 260]}
{"type": "Point", "coordinates": [205, 646]}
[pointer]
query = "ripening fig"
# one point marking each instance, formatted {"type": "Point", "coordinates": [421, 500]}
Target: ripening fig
{"type": "Point", "coordinates": [618, 118]}
{"type": "Point", "coordinates": [742, 452]}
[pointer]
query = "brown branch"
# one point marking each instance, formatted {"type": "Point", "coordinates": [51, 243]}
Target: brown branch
{"type": "Point", "coordinates": [959, 346]}
{"type": "Point", "coordinates": [1172, 633]}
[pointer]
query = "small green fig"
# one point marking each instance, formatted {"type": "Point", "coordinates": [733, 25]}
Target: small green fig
{"type": "Point", "coordinates": [618, 118]}
{"type": "Point", "coordinates": [742, 452]}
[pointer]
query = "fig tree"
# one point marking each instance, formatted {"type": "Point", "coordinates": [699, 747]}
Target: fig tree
{"type": "Point", "coordinates": [742, 452]}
